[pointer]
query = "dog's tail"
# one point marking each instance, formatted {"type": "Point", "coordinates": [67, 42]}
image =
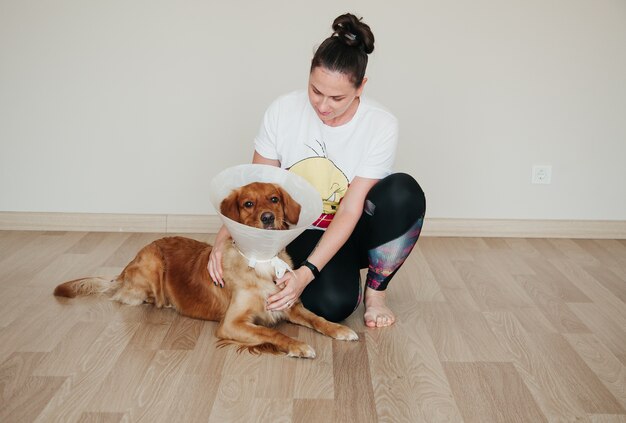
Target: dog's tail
{"type": "Point", "coordinates": [87, 286]}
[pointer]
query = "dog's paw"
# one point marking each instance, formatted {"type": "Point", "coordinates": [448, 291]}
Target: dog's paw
{"type": "Point", "coordinates": [344, 333]}
{"type": "Point", "coordinates": [301, 350]}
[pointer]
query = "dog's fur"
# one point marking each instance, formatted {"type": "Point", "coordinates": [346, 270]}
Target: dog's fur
{"type": "Point", "coordinates": [172, 272]}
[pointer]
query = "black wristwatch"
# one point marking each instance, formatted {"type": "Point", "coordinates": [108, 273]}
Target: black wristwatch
{"type": "Point", "coordinates": [314, 269]}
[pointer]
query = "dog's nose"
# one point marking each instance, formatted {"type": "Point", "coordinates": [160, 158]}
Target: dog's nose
{"type": "Point", "coordinates": [267, 218]}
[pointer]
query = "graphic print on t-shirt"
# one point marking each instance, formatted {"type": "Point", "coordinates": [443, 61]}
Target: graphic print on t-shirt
{"type": "Point", "coordinates": [326, 178]}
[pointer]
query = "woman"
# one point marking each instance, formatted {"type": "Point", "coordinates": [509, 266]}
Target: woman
{"type": "Point", "coordinates": [344, 144]}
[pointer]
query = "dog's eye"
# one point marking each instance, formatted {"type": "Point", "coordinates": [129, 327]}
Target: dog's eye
{"type": "Point", "coordinates": [248, 204]}
{"type": "Point", "coordinates": [275, 199]}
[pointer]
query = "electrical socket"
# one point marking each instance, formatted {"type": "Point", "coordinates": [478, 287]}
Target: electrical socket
{"type": "Point", "coordinates": [542, 174]}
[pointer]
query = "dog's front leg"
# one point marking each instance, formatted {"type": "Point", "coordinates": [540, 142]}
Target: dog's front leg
{"type": "Point", "coordinates": [299, 315]}
{"type": "Point", "coordinates": [261, 338]}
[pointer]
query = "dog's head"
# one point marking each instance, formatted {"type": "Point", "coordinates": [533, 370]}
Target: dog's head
{"type": "Point", "coordinates": [261, 205]}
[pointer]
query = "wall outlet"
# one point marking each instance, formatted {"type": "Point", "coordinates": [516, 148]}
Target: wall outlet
{"type": "Point", "coordinates": [542, 174]}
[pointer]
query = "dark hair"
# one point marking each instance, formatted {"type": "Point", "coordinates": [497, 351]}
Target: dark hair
{"type": "Point", "coordinates": [346, 49]}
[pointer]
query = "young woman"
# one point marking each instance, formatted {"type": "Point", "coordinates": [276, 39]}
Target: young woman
{"type": "Point", "coordinates": [344, 144]}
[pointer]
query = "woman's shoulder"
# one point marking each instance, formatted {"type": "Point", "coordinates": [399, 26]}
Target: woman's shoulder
{"type": "Point", "coordinates": [374, 109]}
{"type": "Point", "coordinates": [291, 99]}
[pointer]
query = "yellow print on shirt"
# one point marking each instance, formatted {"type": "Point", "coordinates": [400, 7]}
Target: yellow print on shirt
{"type": "Point", "coordinates": [327, 179]}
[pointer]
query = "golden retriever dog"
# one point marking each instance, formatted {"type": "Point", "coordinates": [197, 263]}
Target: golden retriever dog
{"type": "Point", "coordinates": [172, 272]}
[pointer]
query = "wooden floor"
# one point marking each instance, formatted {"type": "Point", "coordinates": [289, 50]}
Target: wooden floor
{"type": "Point", "coordinates": [489, 330]}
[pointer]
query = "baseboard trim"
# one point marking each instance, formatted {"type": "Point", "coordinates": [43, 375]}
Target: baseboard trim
{"type": "Point", "coordinates": [163, 223]}
{"type": "Point", "coordinates": [99, 222]}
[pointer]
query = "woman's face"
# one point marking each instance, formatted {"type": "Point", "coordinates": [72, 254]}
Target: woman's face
{"type": "Point", "coordinates": [332, 96]}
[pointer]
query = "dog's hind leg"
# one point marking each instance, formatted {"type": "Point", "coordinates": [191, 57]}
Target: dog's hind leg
{"type": "Point", "coordinates": [299, 315]}
{"type": "Point", "coordinates": [141, 281]}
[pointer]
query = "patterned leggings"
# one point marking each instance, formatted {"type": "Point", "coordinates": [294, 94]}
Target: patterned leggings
{"type": "Point", "coordinates": [383, 238]}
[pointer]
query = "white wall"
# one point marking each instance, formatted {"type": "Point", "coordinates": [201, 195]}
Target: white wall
{"type": "Point", "coordinates": [132, 106]}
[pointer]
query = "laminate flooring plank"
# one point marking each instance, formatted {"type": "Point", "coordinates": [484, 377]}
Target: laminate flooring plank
{"type": "Point", "coordinates": [313, 410]}
{"type": "Point", "coordinates": [237, 386]}
{"type": "Point", "coordinates": [598, 249]}
{"type": "Point", "coordinates": [604, 327]}
{"type": "Point", "coordinates": [63, 359]}
{"type": "Point", "coordinates": [491, 392]}
{"type": "Point", "coordinates": [183, 334]}
{"type": "Point", "coordinates": [36, 328]}
{"type": "Point", "coordinates": [354, 396]}
{"type": "Point", "coordinates": [14, 243]}
{"type": "Point", "coordinates": [130, 247]}
{"type": "Point", "coordinates": [28, 402]}
{"type": "Point", "coordinates": [92, 241]}
{"type": "Point", "coordinates": [394, 370]}
{"type": "Point", "coordinates": [557, 284]}
{"type": "Point", "coordinates": [602, 362]}
{"type": "Point", "coordinates": [115, 393]}
{"type": "Point", "coordinates": [102, 418]}
{"type": "Point", "coordinates": [13, 302]}
{"type": "Point", "coordinates": [407, 376]}
{"type": "Point", "coordinates": [544, 383]}
{"type": "Point", "coordinates": [616, 249]}
{"type": "Point", "coordinates": [419, 282]}
{"type": "Point", "coordinates": [611, 281]}
{"type": "Point", "coordinates": [553, 307]}
{"type": "Point", "coordinates": [78, 389]}
{"type": "Point", "coordinates": [522, 247]}
{"type": "Point", "coordinates": [149, 336]}
{"type": "Point", "coordinates": [15, 371]}
{"type": "Point", "coordinates": [314, 378]}
{"type": "Point", "coordinates": [198, 387]}
{"type": "Point", "coordinates": [478, 337]}
{"type": "Point", "coordinates": [487, 288]}
{"type": "Point", "coordinates": [446, 335]}
{"type": "Point", "coordinates": [277, 373]}
{"type": "Point", "coordinates": [20, 268]}
{"type": "Point", "coordinates": [153, 395]}
{"type": "Point", "coordinates": [533, 320]}
{"type": "Point", "coordinates": [546, 248]}
{"type": "Point", "coordinates": [607, 418]}
{"type": "Point", "coordinates": [573, 251]}
{"type": "Point", "coordinates": [575, 376]}
{"type": "Point", "coordinates": [453, 288]}
{"type": "Point", "coordinates": [598, 293]}
{"type": "Point", "coordinates": [73, 265]}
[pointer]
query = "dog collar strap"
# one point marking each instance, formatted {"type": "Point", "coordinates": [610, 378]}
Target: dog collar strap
{"type": "Point", "coordinates": [280, 266]}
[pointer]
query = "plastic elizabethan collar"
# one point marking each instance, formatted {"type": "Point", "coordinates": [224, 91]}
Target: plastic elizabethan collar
{"type": "Point", "coordinates": [262, 244]}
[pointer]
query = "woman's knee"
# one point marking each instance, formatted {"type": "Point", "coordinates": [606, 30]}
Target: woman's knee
{"type": "Point", "coordinates": [332, 297]}
{"type": "Point", "coordinates": [398, 192]}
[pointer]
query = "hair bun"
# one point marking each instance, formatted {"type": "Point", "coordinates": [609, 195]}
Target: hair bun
{"type": "Point", "coordinates": [353, 32]}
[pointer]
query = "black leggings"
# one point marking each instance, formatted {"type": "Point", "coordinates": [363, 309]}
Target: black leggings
{"type": "Point", "coordinates": [382, 239]}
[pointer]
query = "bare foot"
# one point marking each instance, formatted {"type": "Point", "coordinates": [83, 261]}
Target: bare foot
{"type": "Point", "coordinates": [377, 314]}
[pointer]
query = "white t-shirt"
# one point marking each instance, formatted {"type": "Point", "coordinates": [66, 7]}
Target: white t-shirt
{"type": "Point", "coordinates": [328, 157]}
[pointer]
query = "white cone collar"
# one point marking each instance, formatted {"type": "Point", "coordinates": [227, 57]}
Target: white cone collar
{"type": "Point", "coordinates": [261, 244]}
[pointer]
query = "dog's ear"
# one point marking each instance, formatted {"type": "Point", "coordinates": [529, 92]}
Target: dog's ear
{"type": "Point", "coordinates": [229, 206]}
{"type": "Point", "coordinates": [290, 206]}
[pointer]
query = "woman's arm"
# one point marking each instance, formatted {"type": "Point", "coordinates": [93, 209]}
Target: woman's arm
{"type": "Point", "coordinates": [336, 235]}
{"type": "Point", "coordinates": [258, 159]}
{"type": "Point", "coordinates": [343, 222]}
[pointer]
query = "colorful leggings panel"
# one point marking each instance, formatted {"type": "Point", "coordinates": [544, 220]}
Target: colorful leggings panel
{"type": "Point", "coordinates": [385, 259]}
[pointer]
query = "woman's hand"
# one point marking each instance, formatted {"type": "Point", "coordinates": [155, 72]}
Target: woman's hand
{"type": "Point", "coordinates": [292, 285]}
{"type": "Point", "coordinates": [214, 266]}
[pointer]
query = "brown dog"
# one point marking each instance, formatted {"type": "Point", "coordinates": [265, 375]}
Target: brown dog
{"type": "Point", "coordinates": [172, 272]}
